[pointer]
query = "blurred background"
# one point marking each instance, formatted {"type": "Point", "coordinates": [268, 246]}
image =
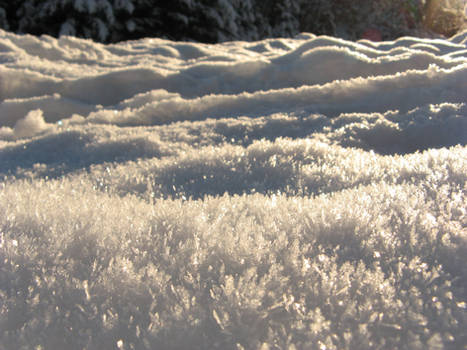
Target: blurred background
{"type": "Point", "coordinates": [213, 21]}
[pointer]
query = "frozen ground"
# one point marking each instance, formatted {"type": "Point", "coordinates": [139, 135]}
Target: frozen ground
{"type": "Point", "coordinates": [305, 193]}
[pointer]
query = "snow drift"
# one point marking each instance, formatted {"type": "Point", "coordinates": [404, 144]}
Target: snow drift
{"type": "Point", "coordinates": [305, 193]}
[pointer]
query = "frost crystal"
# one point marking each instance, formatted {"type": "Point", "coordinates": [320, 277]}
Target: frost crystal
{"type": "Point", "coordinates": [305, 193]}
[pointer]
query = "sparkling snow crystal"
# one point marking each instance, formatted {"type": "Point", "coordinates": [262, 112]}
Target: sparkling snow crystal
{"type": "Point", "coordinates": [305, 193]}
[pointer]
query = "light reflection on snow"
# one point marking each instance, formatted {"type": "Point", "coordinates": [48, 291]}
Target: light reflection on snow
{"type": "Point", "coordinates": [308, 197]}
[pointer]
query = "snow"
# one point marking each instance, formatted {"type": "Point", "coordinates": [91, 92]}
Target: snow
{"type": "Point", "coordinates": [305, 193]}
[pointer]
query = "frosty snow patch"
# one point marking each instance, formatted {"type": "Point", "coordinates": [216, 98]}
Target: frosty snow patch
{"type": "Point", "coordinates": [305, 193]}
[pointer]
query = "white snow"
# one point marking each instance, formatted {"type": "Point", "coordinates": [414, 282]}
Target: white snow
{"type": "Point", "coordinates": [305, 193]}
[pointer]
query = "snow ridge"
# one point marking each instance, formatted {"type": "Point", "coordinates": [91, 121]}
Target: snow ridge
{"type": "Point", "coordinates": [304, 193]}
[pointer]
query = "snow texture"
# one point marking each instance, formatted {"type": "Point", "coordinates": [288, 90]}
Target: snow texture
{"type": "Point", "coordinates": [303, 193]}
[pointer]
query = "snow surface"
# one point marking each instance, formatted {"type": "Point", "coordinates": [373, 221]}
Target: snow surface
{"type": "Point", "coordinates": [305, 193]}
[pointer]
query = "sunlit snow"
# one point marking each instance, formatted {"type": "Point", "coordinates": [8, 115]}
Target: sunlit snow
{"type": "Point", "coordinates": [304, 193]}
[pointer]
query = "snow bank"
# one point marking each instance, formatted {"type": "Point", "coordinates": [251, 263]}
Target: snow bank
{"type": "Point", "coordinates": [289, 193]}
{"type": "Point", "coordinates": [321, 74]}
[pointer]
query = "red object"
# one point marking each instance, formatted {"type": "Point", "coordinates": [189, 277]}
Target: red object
{"type": "Point", "coordinates": [372, 34]}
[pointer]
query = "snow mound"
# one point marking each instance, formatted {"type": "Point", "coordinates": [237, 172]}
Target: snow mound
{"type": "Point", "coordinates": [305, 193]}
{"type": "Point", "coordinates": [319, 74]}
